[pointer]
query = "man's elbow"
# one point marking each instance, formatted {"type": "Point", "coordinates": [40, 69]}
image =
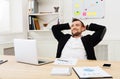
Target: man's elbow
{"type": "Point", "coordinates": [103, 32]}
{"type": "Point", "coordinates": [53, 27]}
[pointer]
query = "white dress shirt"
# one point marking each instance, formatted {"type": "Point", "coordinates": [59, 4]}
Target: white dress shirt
{"type": "Point", "coordinates": [74, 49]}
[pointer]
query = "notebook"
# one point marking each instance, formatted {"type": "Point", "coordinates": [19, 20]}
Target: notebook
{"type": "Point", "coordinates": [91, 73]}
{"type": "Point", "coordinates": [65, 71]}
{"type": "Point", "coordinates": [26, 52]}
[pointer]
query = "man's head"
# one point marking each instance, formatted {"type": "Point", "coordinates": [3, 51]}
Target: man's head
{"type": "Point", "coordinates": [77, 27]}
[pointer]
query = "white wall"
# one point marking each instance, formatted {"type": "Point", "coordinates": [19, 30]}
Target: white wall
{"type": "Point", "coordinates": [47, 43]}
{"type": "Point", "coordinates": [111, 20]}
{"type": "Point", "coordinates": [18, 23]}
{"type": "Point", "coordinates": [111, 40]}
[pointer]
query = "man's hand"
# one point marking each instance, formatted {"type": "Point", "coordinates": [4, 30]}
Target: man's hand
{"type": "Point", "coordinates": [84, 29]}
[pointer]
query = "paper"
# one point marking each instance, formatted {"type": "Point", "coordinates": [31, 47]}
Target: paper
{"type": "Point", "coordinates": [61, 71]}
{"type": "Point", "coordinates": [91, 72]}
{"type": "Point", "coordinates": [64, 61]}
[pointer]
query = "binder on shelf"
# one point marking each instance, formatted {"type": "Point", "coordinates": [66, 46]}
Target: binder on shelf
{"type": "Point", "coordinates": [31, 23]}
{"type": "Point", "coordinates": [33, 6]}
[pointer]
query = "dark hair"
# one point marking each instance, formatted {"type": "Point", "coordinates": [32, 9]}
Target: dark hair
{"type": "Point", "coordinates": [75, 19]}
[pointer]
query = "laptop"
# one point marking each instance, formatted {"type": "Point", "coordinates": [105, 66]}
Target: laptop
{"type": "Point", "coordinates": [26, 51]}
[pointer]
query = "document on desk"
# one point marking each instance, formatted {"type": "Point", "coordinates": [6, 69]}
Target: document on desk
{"type": "Point", "coordinates": [91, 72]}
{"type": "Point", "coordinates": [65, 71]}
{"type": "Point", "coordinates": [64, 61]}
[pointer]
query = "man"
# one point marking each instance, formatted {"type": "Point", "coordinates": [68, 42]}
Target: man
{"type": "Point", "coordinates": [76, 45]}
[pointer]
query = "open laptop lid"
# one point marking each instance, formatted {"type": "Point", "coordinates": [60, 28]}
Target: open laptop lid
{"type": "Point", "coordinates": [26, 51]}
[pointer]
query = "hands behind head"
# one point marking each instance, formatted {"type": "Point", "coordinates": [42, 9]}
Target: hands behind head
{"type": "Point", "coordinates": [84, 28]}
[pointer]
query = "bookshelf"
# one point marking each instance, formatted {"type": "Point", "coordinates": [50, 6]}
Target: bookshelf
{"type": "Point", "coordinates": [40, 14]}
{"type": "Point", "coordinates": [43, 14]}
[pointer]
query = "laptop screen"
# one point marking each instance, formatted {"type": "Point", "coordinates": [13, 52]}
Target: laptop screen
{"type": "Point", "coordinates": [26, 51]}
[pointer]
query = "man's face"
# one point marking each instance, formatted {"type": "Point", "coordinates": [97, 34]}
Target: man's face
{"type": "Point", "coordinates": [77, 28]}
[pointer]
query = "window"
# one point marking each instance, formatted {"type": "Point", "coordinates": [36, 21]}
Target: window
{"type": "Point", "coordinates": [4, 16]}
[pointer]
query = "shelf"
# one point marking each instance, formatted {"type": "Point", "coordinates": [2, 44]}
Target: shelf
{"type": "Point", "coordinates": [40, 30]}
{"type": "Point", "coordinates": [41, 12]}
{"type": "Point", "coordinates": [38, 14]}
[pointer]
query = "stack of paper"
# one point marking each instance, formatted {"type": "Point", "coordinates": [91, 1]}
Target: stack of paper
{"type": "Point", "coordinates": [61, 71]}
{"type": "Point", "coordinates": [91, 72]}
{"type": "Point", "coordinates": [64, 61]}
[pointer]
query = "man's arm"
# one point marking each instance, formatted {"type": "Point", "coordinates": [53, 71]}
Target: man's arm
{"type": "Point", "coordinates": [99, 32]}
{"type": "Point", "coordinates": [56, 29]}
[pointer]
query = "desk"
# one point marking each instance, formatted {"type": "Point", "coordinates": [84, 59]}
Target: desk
{"type": "Point", "coordinates": [14, 70]}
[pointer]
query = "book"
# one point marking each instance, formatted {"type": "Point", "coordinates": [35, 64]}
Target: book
{"type": "Point", "coordinates": [65, 71]}
{"type": "Point", "coordinates": [91, 72]}
{"type": "Point", "coordinates": [37, 25]}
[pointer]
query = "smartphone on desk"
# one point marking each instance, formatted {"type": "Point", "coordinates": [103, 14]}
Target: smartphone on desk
{"type": "Point", "coordinates": [3, 61]}
{"type": "Point", "coordinates": [106, 65]}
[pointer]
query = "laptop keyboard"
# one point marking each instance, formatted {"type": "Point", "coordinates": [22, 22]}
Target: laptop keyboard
{"type": "Point", "coordinates": [41, 61]}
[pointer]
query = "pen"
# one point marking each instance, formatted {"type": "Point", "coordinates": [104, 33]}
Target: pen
{"type": "Point", "coordinates": [62, 60]}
